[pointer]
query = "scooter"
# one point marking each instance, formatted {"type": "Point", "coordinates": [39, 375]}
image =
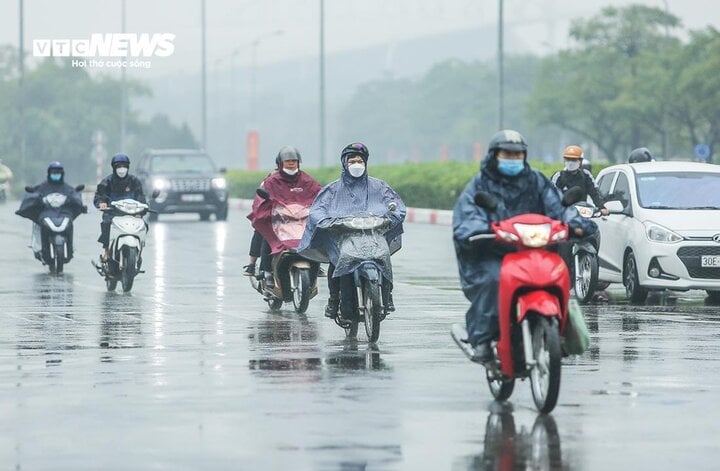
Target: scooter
{"type": "Point", "coordinates": [294, 278]}
{"type": "Point", "coordinates": [52, 235]}
{"type": "Point", "coordinates": [128, 232]}
{"type": "Point", "coordinates": [365, 253]}
{"type": "Point", "coordinates": [585, 257]}
{"type": "Point", "coordinates": [534, 293]}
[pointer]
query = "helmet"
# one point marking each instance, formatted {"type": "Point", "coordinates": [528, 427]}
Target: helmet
{"type": "Point", "coordinates": [356, 148]}
{"type": "Point", "coordinates": [55, 167]}
{"type": "Point", "coordinates": [641, 154]}
{"type": "Point", "coordinates": [573, 153]}
{"type": "Point", "coordinates": [509, 140]}
{"type": "Point", "coordinates": [288, 153]}
{"type": "Point", "coordinates": [120, 160]}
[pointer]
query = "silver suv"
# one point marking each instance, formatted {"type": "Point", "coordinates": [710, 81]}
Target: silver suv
{"type": "Point", "coordinates": [187, 182]}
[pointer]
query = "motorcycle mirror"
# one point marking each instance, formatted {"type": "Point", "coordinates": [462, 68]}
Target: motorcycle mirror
{"type": "Point", "coordinates": [572, 196]}
{"type": "Point", "coordinates": [262, 194]}
{"type": "Point", "coordinates": [222, 170]}
{"type": "Point", "coordinates": [155, 194]}
{"type": "Point", "coordinates": [485, 200]}
{"type": "Point", "coordinates": [80, 188]}
{"type": "Point", "coordinates": [29, 189]}
{"type": "Point", "coordinates": [392, 206]}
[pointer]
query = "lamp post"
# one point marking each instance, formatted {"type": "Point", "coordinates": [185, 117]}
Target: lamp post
{"type": "Point", "coordinates": [501, 71]}
{"type": "Point", "coordinates": [253, 66]}
{"type": "Point", "coordinates": [123, 89]}
{"type": "Point", "coordinates": [322, 84]}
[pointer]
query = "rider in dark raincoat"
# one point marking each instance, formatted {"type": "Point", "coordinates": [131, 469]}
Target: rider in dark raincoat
{"type": "Point", "coordinates": [353, 193]}
{"type": "Point", "coordinates": [519, 189]}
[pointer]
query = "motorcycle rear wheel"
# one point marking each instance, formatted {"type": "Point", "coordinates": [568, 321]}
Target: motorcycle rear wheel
{"type": "Point", "coordinates": [500, 388]}
{"type": "Point", "coordinates": [111, 284]}
{"type": "Point", "coordinates": [545, 374]}
{"type": "Point", "coordinates": [585, 279]}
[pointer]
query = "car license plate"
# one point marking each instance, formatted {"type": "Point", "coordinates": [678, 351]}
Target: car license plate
{"type": "Point", "coordinates": [192, 198]}
{"type": "Point", "coordinates": [710, 261]}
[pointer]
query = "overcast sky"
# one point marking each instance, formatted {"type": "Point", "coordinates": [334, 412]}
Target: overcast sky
{"type": "Point", "coordinates": [350, 24]}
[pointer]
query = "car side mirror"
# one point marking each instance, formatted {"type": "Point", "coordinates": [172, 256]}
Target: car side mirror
{"type": "Point", "coordinates": [222, 169]}
{"type": "Point", "coordinates": [29, 189]}
{"type": "Point", "coordinates": [262, 194]}
{"type": "Point", "coordinates": [614, 207]}
{"type": "Point", "coordinates": [80, 188]}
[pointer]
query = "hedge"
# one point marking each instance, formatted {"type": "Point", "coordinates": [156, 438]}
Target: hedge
{"type": "Point", "coordinates": [421, 185]}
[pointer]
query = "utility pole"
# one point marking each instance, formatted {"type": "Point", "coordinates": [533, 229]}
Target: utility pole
{"type": "Point", "coordinates": [322, 83]}
{"type": "Point", "coordinates": [204, 84]}
{"type": "Point", "coordinates": [21, 56]}
{"type": "Point", "coordinates": [501, 72]}
{"type": "Point", "coordinates": [123, 91]}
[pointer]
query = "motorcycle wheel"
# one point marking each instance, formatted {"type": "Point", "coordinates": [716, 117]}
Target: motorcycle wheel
{"type": "Point", "coordinates": [586, 273]}
{"type": "Point", "coordinates": [274, 304]}
{"type": "Point", "coordinates": [301, 288]}
{"type": "Point", "coordinates": [59, 259]}
{"type": "Point", "coordinates": [500, 388]}
{"type": "Point", "coordinates": [545, 375]}
{"type": "Point", "coordinates": [130, 269]}
{"type": "Point", "coordinates": [111, 284]}
{"type": "Point", "coordinates": [373, 309]}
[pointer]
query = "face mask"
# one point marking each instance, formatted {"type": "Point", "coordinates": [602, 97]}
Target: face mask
{"type": "Point", "coordinates": [572, 165]}
{"type": "Point", "coordinates": [356, 170]}
{"type": "Point", "coordinates": [55, 177]}
{"type": "Point", "coordinates": [291, 172]}
{"type": "Point", "coordinates": [121, 172]}
{"type": "Point", "coordinates": [510, 167]}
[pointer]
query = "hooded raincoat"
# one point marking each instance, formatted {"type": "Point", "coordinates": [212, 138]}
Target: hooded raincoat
{"type": "Point", "coordinates": [479, 263]}
{"type": "Point", "coordinates": [350, 196]}
{"type": "Point", "coordinates": [290, 198]}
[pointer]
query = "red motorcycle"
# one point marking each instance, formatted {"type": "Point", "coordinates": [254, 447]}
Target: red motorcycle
{"type": "Point", "coordinates": [533, 302]}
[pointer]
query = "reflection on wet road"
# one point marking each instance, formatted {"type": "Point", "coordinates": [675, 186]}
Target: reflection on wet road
{"type": "Point", "coordinates": [191, 371]}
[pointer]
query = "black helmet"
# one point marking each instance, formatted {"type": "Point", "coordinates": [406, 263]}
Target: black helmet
{"type": "Point", "coordinates": [641, 154]}
{"type": "Point", "coordinates": [288, 153]}
{"type": "Point", "coordinates": [120, 160]}
{"type": "Point", "coordinates": [509, 140]}
{"type": "Point", "coordinates": [356, 148]}
{"type": "Point", "coordinates": [55, 167]}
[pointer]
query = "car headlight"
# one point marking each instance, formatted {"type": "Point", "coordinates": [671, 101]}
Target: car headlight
{"type": "Point", "coordinates": [658, 233]}
{"type": "Point", "coordinates": [161, 184]}
{"type": "Point", "coordinates": [219, 183]}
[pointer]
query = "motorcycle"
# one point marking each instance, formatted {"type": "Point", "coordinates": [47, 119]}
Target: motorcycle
{"type": "Point", "coordinates": [52, 216]}
{"type": "Point", "coordinates": [128, 232]}
{"type": "Point", "coordinates": [534, 293]}
{"type": "Point", "coordinates": [585, 257]}
{"type": "Point", "coordinates": [365, 252]}
{"type": "Point", "coordinates": [294, 277]}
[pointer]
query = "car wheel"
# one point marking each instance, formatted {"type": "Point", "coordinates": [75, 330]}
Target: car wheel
{"type": "Point", "coordinates": [636, 293]}
{"type": "Point", "coordinates": [205, 216]}
{"type": "Point", "coordinates": [713, 296]}
{"type": "Point", "coordinates": [152, 217]}
{"type": "Point", "coordinates": [222, 214]}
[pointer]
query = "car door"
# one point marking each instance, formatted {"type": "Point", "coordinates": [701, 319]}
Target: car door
{"type": "Point", "coordinates": [615, 229]}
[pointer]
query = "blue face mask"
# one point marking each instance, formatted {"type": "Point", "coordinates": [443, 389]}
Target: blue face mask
{"type": "Point", "coordinates": [55, 177]}
{"type": "Point", "coordinates": [509, 167]}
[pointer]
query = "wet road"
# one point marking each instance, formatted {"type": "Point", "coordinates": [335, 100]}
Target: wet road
{"type": "Point", "coordinates": [191, 371]}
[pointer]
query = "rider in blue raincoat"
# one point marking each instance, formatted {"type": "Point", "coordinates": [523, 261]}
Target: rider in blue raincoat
{"type": "Point", "coordinates": [519, 189]}
{"type": "Point", "coordinates": [353, 193]}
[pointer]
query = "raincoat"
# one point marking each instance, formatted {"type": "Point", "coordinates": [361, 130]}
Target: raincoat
{"type": "Point", "coordinates": [479, 263]}
{"type": "Point", "coordinates": [281, 219]}
{"type": "Point", "coordinates": [32, 205]}
{"type": "Point", "coordinates": [350, 196]}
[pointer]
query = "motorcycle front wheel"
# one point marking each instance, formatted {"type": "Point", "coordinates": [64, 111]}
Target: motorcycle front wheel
{"type": "Point", "coordinates": [373, 309]}
{"type": "Point", "coordinates": [586, 275]}
{"type": "Point", "coordinates": [130, 269]}
{"type": "Point", "coordinates": [300, 278]}
{"type": "Point", "coordinates": [545, 374]}
{"type": "Point", "coordinates": [59, 261]}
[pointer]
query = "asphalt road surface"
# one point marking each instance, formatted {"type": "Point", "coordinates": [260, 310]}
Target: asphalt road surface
{"type": "Point", "coordinates": [192, 371]}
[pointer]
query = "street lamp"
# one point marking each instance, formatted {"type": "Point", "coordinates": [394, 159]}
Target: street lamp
{"type": "Point", "coordinates": [253, 63]}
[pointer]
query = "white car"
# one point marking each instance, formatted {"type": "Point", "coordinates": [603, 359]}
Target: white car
{"type": "Point", "coordinates": [663, 231]}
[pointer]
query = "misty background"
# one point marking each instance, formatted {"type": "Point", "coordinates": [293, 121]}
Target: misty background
{"type": "Point", "coordinates": [388, 66]}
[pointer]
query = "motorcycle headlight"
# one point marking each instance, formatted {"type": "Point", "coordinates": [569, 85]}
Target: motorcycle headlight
{"type": "Point", "coordinates": [219, 183]}
{"type": "Point", "coordinates": [658, 233]}
{"type": "Point", "coordinates": [161, 184]}
{"type": "Point", "coordinates": [533, 235]}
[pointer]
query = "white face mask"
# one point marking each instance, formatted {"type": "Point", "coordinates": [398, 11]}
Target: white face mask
{"type": "Point", "coordinates": [356, 170]}
{"type": "Point", "coordinates": [291, 172]}
{"type": "Point", "coordinates": [121, 172]}
{"type": "Point", "coordinates": [571, 166]}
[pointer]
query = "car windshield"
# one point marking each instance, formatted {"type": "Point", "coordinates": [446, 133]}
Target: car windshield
{"type": "Point", "coordinates": [190, 163]}
{"type": "Point", "coordinates": [679, 190]}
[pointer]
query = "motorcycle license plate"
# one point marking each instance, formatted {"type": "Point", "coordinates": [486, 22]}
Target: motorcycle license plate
{"type": "Point", "coordinates": [192, 198]}
{"type": "Point", "coordinates": [710, 261]}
